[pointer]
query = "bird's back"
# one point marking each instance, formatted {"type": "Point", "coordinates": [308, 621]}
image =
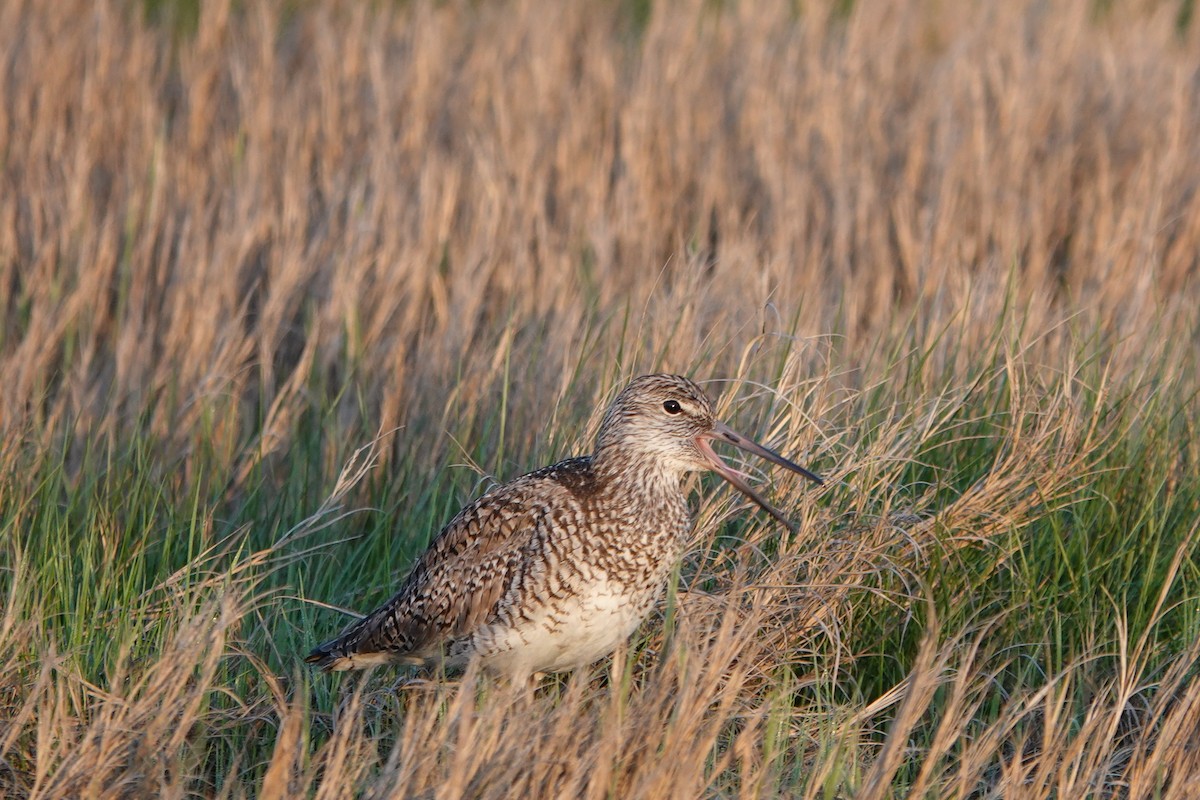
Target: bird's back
{"type": "Point", "coordinates": [460, 585]}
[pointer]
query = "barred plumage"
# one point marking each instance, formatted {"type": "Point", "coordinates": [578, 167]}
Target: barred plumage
{"type": "Point", "coordinates": [556, 568]}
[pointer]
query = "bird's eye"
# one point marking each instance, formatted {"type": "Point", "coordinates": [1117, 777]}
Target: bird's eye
{"type": "Point", "coordinates": [672, 407]}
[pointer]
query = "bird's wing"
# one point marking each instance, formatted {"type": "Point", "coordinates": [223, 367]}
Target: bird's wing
{"type": "Point", "coordinates": [456, 584]}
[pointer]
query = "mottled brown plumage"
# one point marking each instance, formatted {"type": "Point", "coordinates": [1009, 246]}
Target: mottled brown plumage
{"type": "Point", "coordinates": [556, 568]}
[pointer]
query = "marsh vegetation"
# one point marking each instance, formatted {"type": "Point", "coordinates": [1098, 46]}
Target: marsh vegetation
{"type": "Point", "coordinates": [283, 285]}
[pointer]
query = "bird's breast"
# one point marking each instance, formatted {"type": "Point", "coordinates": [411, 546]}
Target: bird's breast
{"type": "Point", "coordinates": [569, 631]}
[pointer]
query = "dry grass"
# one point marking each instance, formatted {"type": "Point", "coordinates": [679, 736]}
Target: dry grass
{"type": "Point", "coordinates": [947, 253]}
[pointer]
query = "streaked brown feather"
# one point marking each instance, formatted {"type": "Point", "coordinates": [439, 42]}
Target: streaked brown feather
{"type": "Point", "coordinates": [455, 585]}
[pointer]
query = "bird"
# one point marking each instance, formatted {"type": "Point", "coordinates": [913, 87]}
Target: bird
{"type": "Point", "coordinates": [555, 569]}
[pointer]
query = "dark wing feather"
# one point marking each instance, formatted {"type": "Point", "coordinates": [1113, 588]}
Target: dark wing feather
{"type": "Point", "coordinates": [456, 584]}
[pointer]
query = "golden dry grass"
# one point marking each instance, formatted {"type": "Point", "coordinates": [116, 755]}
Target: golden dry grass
{"type": "Point", "coordinates": [947, 252]}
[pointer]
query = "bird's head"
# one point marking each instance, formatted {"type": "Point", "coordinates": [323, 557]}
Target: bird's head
{"type": "Point", "coordinates": [670, 420]}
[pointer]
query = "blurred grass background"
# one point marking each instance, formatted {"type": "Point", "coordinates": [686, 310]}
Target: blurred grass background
{"type": "Point", "coordinates": [945, 254]}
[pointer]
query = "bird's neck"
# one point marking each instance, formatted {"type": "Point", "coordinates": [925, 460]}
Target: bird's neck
{"type": "Point", "coordinates": [622, 470]}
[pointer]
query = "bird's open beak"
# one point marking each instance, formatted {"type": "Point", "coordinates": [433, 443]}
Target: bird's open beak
{"type": "Point", "coordinates": [741, 480]}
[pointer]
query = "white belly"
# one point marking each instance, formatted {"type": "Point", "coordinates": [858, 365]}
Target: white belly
{"type": "Point", "coordinates": [565, 634]}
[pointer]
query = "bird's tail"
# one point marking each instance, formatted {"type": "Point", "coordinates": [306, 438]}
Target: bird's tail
{"type": "Point", "coordinates": [340, 655]}
{"type": "Point", "coordinates": [331, 656]}
{"type": "Point", "coordinates": [369, 641]}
